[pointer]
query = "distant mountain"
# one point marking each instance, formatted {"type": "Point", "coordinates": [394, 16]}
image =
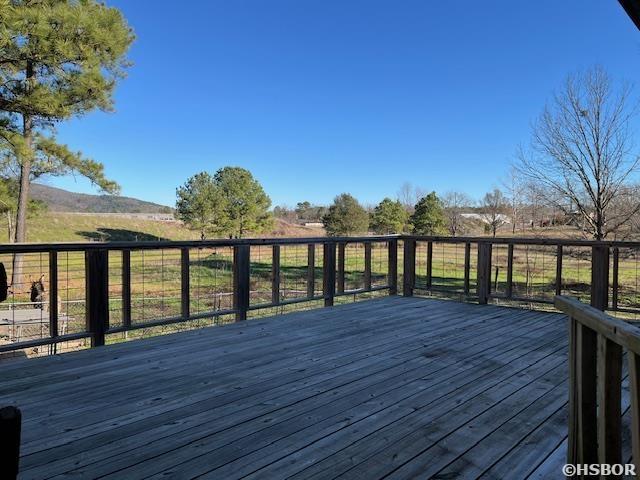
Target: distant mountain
{"type": "Point", "coordinates": [59, 200]}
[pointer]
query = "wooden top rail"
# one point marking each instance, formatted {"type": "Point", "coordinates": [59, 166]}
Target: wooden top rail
{"type": "Point", "coordinates": [522, 241]}
{"type": "Point", "coordinates": [160, 244]}
{"type": "Point", "coordinates": [618, 331]}
{"type": "Point", "coordinates": [156, 245]}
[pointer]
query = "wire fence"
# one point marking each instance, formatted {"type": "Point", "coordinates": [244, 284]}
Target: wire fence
{"type": "Point", "coordinates": [65, 297]}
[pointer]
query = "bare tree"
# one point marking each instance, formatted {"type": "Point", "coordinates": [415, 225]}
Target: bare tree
{"type": "Point", "coordinates": [454, 203]}
{"type": "Point", "coordinates": [515, 189]}
{"type": "Point", "coordinates": [536, 197]}
{"type": "Point", "coordinates": [493, 208]}
{"type": "Point", "coordinates": [408, 195]}
{"type": "Point", "coordinates": [581, 149]}
{"type": "Point", "coordinates": [405, 196]}
{"type": "Point", "coordinates": [625, 205]}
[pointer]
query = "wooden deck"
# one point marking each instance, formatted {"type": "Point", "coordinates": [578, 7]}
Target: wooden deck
{"type": "Point", "coordinates": [388, 388]}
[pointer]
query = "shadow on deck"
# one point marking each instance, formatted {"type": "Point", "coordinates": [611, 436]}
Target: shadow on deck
{"type": "Point", "coordinates": [395, 387]}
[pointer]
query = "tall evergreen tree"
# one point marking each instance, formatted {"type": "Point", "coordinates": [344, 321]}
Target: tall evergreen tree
{"type": "Point", "coordinates": [58, 59]}
{"type": "Point", "coordinates": [200, 205]}
{"type": "Point", "coordinates": [389, 217]}
{"type": "Point", "coordinates": [229, 203]}
{"type": "Point", "coordinates": [246, 203]}
{"type": "Point", "coordinates": [345, 217]}
{"type": "Point", "coordinates": [428, 217]}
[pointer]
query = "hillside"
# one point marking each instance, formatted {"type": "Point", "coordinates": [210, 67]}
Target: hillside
{"type": "Point", "coordinates": [70, 227]}
{"type": "Point", "coordinates": [59, 200]}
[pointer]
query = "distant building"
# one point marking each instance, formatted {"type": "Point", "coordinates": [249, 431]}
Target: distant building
{"type": "Point", "coordinates": [484, 218]}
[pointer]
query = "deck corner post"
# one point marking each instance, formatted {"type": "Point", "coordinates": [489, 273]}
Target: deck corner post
{"type": "Point", "coordinates": [10, 429]}
{"type": "Point", "coordinates": [392, 267]}
{"type": "Point", "coordinates": [409, 271]}
{"type": "Point", "coordinates": [329, 272]}
{"type": "Point", "coordinates": [241, 280]}
{"type": "Point", "coordinates": [483, 287]}
{"type": "Point", "coordinates": [97, 294]}
{"type": "Point", "coordinates": [600, 277]}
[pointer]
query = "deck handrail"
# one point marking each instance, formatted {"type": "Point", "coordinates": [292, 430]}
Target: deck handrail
{"type": "Point", "coordinates": [98, 268]}
{"type": "Point", "coordinates": [488, 268]}
{"type": "Point", "coordinates": [596, 344]}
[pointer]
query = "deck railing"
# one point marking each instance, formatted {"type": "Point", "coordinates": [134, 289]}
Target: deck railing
{"type": "Point", "coordinates": [94, 290]}
{"type": "Point", "coordinates": [596, 345]}
{"type": "Point", "coordinates": [525, 270]}
{"type": "Point", "coordinates": [98, 289]}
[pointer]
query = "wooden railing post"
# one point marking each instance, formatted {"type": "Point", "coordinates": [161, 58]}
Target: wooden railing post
{"type": "Point", "coordinates": [509, 289]}
{"type": "Point", "coordinates": [586, 446]}
{"type": "Point", "coordinates": [484, 272]}
{"type": "Point", "coordinates": [600, 277]}
{"type": "Point", "coordinates": [184, 283]}
{"type": "Point", "coordinates": [53, 294]}
{"type": "Point", "coordinates": [311, 270]}
{"type": "Point", "coordinates": [616, 279]}
{"type": "Point", "coordinates": [367, 265]}
{"type": "Point", "coordinates": [634, 387]}
{"type": "Point", "coordinates": [126, 288]}
{"type": "Point", "coordinates": [559, 270]}
{"type": "Point", "coordinates": [329, 273]}
{"type": "Point", "coordinates": [340, 274]}
{"type": "Point", "coordinates": [609, 401]}
{"type": "Point", "coordinates": [392, 267]}
{"type": "Point", "coordinates": [97, 294]}
{"type": "Point", "coordinates": [596, 343]}
{"type": "Point", "coordinates": [572, 442]}
{"type": "Point", "coordinates": [275, 275]}
{"type": "Point", "coordinates": [409, 272]}
{"type": "Point", "coordinates": [467, 268]}
{"type": "Point", "coordinates": [429, 264]}
{"type": "Point", "coordinates": [10, 429]}
{"type": "Point", "coordinates": [241, 280]}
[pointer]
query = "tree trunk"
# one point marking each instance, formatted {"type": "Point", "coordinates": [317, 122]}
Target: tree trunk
{"type": "Point", "coordinates": [25, 183]}
{"type": "Point", "coordinates": [10, 232]}
{"type": "Point", "coordinates": [21, 219]}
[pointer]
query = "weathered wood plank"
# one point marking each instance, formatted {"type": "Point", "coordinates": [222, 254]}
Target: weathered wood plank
{"type": "Point", "coordinates": [634, 387]}
{"type": "Point", "coordinates": [261, 399]}
{"type": "Point", "coordinates": [289, 418]}
{"type": "Point", "coordinates": [609, 401]}
{"type": "Point", "coordinates": [327, 392]}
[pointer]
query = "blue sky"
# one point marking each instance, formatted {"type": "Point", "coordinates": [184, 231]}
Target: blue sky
{"type": "Point", "coordinates": [319, 97]}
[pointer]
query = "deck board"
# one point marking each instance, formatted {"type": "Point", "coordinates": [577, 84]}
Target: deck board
{"type": "Point", "coordinates": [387, 388]}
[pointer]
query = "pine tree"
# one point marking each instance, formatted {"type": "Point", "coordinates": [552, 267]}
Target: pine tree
{"type": "Point", "coordinates": [389, 217]}
{"type": "Point", "coordinates": [59, 59]}
{"type": "Point", "coordinates": [200, 205]}
{"type": "Point", "coordinates": [345, 217]}
{"type": "Point", "coordinates": [428, 217]}
{"type": "Point", "coordinates": [230, 203]}
{"type": "Point", "coordinates": [246, 203]}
